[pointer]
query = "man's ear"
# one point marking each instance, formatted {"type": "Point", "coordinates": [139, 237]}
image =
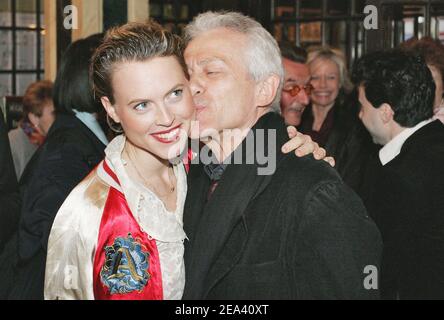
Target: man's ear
{"type": "Point", "coordinates": [267, 90]}
{"type": "Point", "coordinates": [386, 113]}
{"type": "Point", "coordinates": [110, 109]}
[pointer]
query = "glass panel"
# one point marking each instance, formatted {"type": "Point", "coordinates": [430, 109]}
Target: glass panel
{"type": "Point", "coordinates": [42, 20]}
{"type": "Point", "coordinates": [277, 32]}
{"type": "Point", "coordinates": [285, 9]}
{"type": "Point", "coordinates": [42, 49]}
{"type": "Point", "coordinates": [168, 11]}
{"type": "Point", "coordinates": [289, 33]}
{"type": "Point", "coordinates": [417, 13]}
{"type": "Point", "coordinates": [311, 8]}
{"type": "Point", "coordinates": [155, 9]}
{"type": "Point", "coordinates": [310, 33]}
{"type": "Point", "coordinates": [26, 50]}
{"type": "Point", "coordinates": [115, 13]}
{"type": "Point", "coordinates": [409, 28]}
{"type": "Point", "coordinates": [26, 13]}
{"type": "Point", "coordinates": [5, 50]}
{"type": "Point", "coordinates": [338, 33]}
{"type": "Point", "coordinates": [23, 81]}
{"type": "Point", "coordinates": [441, 29]}
{"type": "Point", "coordinates": [338, 7]}
{"type": "Point", "coordinates": [433, 27]}
{"type": "Point", "coordinates": [5, 13]}
{"type": "Point", "coordinates": [184, 12]}
{"type": "Point", "coordinates": [5, 85]}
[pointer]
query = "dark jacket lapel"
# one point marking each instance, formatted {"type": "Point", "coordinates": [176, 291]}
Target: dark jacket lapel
{"type": "Point", "coordinates": [217, 219]}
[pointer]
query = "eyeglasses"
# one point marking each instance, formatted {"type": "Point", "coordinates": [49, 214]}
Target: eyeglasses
{"type": "Point", "coordinates": [294, 90]}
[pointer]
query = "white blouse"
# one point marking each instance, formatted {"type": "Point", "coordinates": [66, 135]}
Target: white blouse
{"type": "Point", "coordinates": [148, 210]}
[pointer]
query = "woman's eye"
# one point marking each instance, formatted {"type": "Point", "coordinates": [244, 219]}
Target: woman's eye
{"type": "Point", "coordinates": [141, 106]}
{"type": "Point", "coordinates": [177, 93]}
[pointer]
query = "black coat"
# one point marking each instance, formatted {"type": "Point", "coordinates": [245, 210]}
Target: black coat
{"type": "Point", "coordinates": [300, 233]}
{"type": "Point", "coordinates": [348, 142]}
{"type": "Point", "coordinates": [9, 209]}
{"type": "Point", "coordinates": [408, 206]}
{"type": "Point", "coordinates": [9, 195]}
{"type": "Point", "coordinates": [69, 153]}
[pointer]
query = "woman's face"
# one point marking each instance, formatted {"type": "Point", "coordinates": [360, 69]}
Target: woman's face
{"type": "Point", "coordinates": [325, 80]}
{"type": "Point", "coordinates": [437, 78]}
{"type": "Point", "coordinates": [153, 104]}
{"type": "Point", "coordinates": [43, 122]}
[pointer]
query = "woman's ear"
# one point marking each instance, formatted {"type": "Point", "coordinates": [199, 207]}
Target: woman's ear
{"type": "Point", "coordinates": [267, 90]}
{"type": "Point", "coordinates": [110, 109]}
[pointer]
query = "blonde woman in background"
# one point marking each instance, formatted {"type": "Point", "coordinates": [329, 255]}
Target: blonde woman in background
{"type": "Point", "coordinates": [332, 117]}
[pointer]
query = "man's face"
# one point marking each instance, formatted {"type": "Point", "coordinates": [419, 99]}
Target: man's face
{"type": "Point", "coordinates": [223, 91]}
{"type": "Point", "coordinates": [292, 107]}
{"type": "Point", "coordinates": [372, 119]}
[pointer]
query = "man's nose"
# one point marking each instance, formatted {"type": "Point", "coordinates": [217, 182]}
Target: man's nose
{"type": "Point", "coordinates": [303, 98]}
{"type": "Point", "coordinates": [195, 86]}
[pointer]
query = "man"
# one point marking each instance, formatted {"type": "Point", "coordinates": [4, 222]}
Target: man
{"type": "Point", "coordinates": [295, 232]}
{"type": "Point", "coordinates": [396, 92]}
{"type": "Point", "coordinates": [297, 87]}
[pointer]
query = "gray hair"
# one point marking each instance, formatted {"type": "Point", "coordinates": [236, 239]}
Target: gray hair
{"type": "Point", "coordinates": [263, 57]}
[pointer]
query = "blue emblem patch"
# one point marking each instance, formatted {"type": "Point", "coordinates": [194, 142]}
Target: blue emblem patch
{"type": "Point", "coordinates": [126, 266]}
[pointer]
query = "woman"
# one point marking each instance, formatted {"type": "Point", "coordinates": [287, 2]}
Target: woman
{"type": "Point", "coordinates": [73, 147]}
{"type": "Point", "coordinates": [332, 119]}
{"type": "Point", "coordinates": [433, 53]}
{"type": "Point", "coordinates": [38, 117]}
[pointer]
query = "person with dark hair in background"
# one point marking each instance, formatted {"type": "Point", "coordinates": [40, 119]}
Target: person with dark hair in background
{"type": "Point", "coordinates": [74, 146]}
{"type": "Point", "coordinates": [38, 117]}
{"type": "Point", "coordinates": [433, 52]}
{"type": "Point", "coordinates": [297, 87]}
{"type": "Point", "coordinates": [396, 93]}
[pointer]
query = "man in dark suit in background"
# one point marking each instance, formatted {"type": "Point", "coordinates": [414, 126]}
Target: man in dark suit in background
{"type": "Point", "coordinates": [288, 228]}
{"type": "Point", "coordinates": [396, 92]}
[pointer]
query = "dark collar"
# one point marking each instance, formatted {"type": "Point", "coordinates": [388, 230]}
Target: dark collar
{"type": "Point", "coordinates": [215, 170]}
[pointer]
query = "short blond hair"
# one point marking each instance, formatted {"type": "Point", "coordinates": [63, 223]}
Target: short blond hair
{"type": "Point", "coordinates": [336, 56]}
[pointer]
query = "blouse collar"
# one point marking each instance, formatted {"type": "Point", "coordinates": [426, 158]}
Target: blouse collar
{"type": "Point", "coordinates": [148, 210]}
